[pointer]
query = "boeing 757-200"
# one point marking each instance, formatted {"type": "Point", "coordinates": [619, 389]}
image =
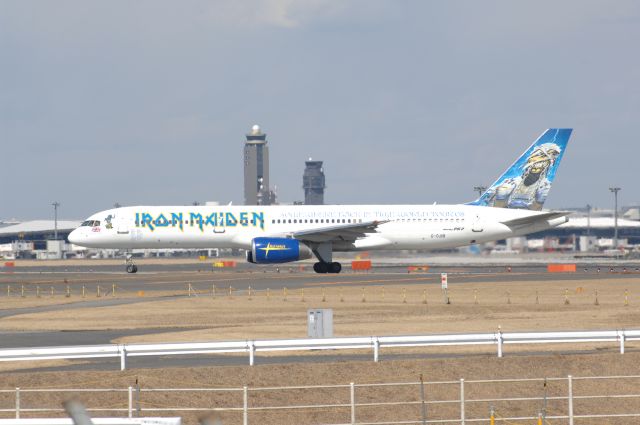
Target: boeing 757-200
{"type": "Point", "coordinates": [279, 234]}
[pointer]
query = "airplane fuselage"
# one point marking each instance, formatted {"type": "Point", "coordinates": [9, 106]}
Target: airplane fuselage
{"type": "Point", "coordinates": [401, 226]}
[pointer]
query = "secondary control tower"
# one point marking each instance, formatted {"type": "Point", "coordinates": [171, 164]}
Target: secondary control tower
{"type": "Point", "coordinates": [313, 183]}
{"type": "Point", "coordinates": [256, 168]}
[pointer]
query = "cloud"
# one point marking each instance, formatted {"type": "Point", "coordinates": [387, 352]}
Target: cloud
{"type": "Point", "coordinates": [405, 101]}
{"type": "Point", "coordinates": [287, 14]}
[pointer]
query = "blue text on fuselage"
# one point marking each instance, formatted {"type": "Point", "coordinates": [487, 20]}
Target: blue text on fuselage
{"type": "Point", "coordinates": [202, 221]}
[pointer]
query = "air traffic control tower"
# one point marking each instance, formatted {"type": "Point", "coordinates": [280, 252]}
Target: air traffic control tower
{"type": "Point", "coordinates": [313, 183]}
{"type": "Point", "coordinates": [256, 168]}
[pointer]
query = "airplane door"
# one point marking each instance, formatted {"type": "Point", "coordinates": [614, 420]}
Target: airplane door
{"type": "Point", "coordinates": [477, 225]}
{"type": "Point", "coordinates": [122, 225]}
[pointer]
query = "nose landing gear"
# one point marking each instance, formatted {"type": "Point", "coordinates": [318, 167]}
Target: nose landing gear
{"type": "Point", "coordinates": [131, 267]}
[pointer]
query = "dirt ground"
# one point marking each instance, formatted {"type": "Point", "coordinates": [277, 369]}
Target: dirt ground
{"type": "Point", "coordinates": [361, 310]}
{"type": "Point", "coordinates": [372, 309]}
{"type": "Point", "coordinates": [397, 371]}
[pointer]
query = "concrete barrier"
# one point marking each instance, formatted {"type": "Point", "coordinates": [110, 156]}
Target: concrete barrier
{"type": "Point", "coordinates": [361, 265]}
{"type": "Point", "coordinates": [561, 268]}
{"type": "Point", "coordinates": [413, 269]}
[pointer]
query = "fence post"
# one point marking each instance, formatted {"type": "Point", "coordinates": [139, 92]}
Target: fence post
{"type": "Point", "coordinates": [245, 406]}
{"type": "Point", "coordinates": [137, 398]}
{"type": "Point", "coordinates": [123, 358]}
{"type": "Point", "coordinates": [17, 402]}
{"type": "Point", "coordinates": [422, 399]}
{"type": "Point", "coordinates": [622, 338]}
{"type": "Point", "coordinates": [353, 403]}
{"type": "Point", "coordinates": [376, 350]}
{"type": "Point", "coordinates": [570, 385]}
{"type": "Point", "coordinates": [130, 402]}
{"type": "Point", "coordinates": [462, 401]}
{"type": "Point", "coordinates": [252, 352]}
{"type": "Point", "coordinates": [500, 340]}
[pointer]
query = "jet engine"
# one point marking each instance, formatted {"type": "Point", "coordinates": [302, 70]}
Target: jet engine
{"type": "Point", "coordinates": [277, 250]}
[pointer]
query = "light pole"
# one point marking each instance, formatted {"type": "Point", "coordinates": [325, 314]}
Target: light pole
{"type": "Point", "coordinates": [615, 191]}
{"type": "Point", "coordinates": [56, 204]}
{"type": "Point", "coordinates": [479, 189]}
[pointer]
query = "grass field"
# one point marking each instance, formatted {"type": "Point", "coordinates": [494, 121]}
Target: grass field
{"type": "Point", "coordinates": [366, 309]}
{"type": "Point", "coordinates": [358, 310]}
{"type": "Point", "coordinates": [398, 371]}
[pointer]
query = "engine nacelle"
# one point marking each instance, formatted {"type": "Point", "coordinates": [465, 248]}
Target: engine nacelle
{"type": "Point", "coordinates": [277, 250]}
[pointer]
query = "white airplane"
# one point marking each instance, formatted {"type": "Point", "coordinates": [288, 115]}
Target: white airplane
{"type": "Point", "coordinates": [278, 234]}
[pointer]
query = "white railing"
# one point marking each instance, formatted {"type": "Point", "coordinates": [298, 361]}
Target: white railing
{"type": "Point", "coordinates": [374, 343]}
{"type": "Point", "coordinates": [422, 402]}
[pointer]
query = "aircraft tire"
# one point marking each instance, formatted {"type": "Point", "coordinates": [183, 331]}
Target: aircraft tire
{"type": "Point", "coordinates": [321, 267]}
{"type": "Point", "coordinates": [132, 268]}
{"type": "Point", "coordinates": [335, 267]}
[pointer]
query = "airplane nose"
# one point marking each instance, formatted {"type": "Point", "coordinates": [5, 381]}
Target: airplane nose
{"type": "Point", "coordinates": [74, 237]}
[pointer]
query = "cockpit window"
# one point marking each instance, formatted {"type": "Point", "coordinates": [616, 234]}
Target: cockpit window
{"type": "Point", "coordinates": [91, 223]}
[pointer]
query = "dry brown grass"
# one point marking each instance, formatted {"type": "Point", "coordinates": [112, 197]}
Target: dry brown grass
{"type": "Point", "coordinates": [450, 369]}
{"type": "Point", "coordinates": [238, 317]}
{"type": "Point", "coordinates": [366, 310]}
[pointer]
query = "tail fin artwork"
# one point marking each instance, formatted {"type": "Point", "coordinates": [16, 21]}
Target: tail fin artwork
{"type": "Point", "coordinates": [527, 182]}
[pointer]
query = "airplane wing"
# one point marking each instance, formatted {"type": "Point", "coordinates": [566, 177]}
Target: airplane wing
{"type": "Point", "coordinates": [343, 232]}
{"type": "Point", "coordinates": [531, 219]}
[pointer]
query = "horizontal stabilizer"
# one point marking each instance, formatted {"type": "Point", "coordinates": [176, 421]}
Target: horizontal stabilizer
{"type": "Point", "coordinates": [536, 218]}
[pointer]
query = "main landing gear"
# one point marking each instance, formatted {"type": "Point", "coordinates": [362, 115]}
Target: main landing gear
{"type": "Point", "coordinates": [131, 268]}
{"type": "Point", "coordinates": [322, 267]}
{"type": "Point", "coordinates": [324, 253]}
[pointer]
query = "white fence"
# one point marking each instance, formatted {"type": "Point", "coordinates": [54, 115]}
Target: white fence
{"type": "Point", "coordinates": [374, 343]}
{"type": "Point", "coordinates": [587, 400]}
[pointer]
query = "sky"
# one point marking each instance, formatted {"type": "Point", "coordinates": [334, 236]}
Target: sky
{"type": "Point", "coordinates": [416, 102]}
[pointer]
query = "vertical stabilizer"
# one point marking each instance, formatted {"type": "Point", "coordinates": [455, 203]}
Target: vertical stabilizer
{"type": "Point", "coordinates": [527, 182]}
